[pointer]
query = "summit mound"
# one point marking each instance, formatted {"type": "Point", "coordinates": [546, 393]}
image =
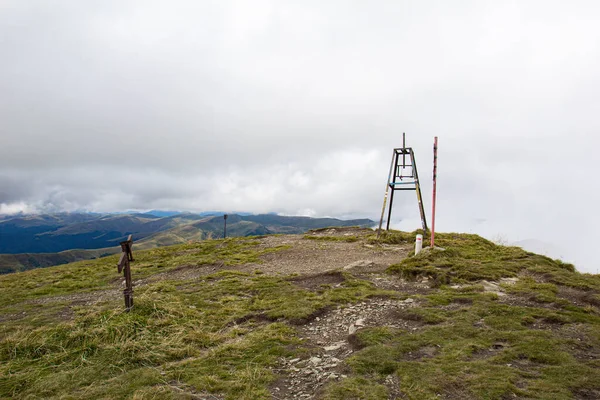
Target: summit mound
{"type": "Point", "coordinates": [332, 314]}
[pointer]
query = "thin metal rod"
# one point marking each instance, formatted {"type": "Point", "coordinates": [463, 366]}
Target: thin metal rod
{"type": "Point", "coordinates": [435, 148]}
{"type": "Point", "coordinates": [404, 147]}
{"type": "Point", "coordinates": [389, 217]}
{"type": "Point", "coordinates": [387, 188]}
{"type": "Point", "coordinates": [419, 196]}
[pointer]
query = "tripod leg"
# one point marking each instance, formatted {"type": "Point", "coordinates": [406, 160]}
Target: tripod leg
{"type": "Point", "coordinates": [419, 197]}
{"type": "Point", "coordinates": [387, 228]}
{"type": "Point", "coordinates": [387, 188]}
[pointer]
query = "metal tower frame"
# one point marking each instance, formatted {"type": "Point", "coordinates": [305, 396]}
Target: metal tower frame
{"type": "Point", "coordinates": [403, 159]}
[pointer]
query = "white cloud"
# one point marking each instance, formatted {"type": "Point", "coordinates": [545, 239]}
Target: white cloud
{"type": "Point", "coordinates": [294, 107]}
{"type": "Point", "coordinates": [14, 208]}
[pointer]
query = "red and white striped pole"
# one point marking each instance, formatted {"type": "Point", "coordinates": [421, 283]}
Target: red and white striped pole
{"type": "Point", "coordinates": [435, 146]}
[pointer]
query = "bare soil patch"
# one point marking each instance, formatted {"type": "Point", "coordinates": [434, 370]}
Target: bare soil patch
{"type": "Point", "coordinates": [396, 283]}
{"type": "Point", "coordinates": [314, 282]}
{"type": "Point", "coordinates": [490, 351]}
{"type": "Point", "coordinates": [526, 300]}
{"type": "Point", "coordinates": [423, 352]}
{"type": "Point", "coordinates": [341, 231]}
{"type": "Point", "coordinates": [579, 297]}
{"type": "Point", "coordinates": [307, 256]}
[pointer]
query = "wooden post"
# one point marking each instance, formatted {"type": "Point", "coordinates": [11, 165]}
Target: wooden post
{"type": "Point", "coordinates": [125, 267]}
{"type": "Point", "coordinates": [435, 147]}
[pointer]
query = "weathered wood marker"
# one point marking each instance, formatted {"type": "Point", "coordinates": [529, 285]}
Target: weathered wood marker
{"type": "Point", "coordinates": [123, 265]}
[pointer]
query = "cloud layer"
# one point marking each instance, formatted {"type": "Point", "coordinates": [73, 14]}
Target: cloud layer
{"type": "Point", "coordinates": [294, 107]}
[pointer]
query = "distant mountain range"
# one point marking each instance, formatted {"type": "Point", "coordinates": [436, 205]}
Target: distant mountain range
{"type": "Point", "coordinates": [35, 241]}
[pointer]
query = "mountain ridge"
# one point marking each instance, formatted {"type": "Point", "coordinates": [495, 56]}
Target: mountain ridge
{"type": "Point", "coordinates": [46, 240]}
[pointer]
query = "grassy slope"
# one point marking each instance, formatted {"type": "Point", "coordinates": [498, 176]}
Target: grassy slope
{"type": "Point", "coordinates": [225, 332]}
{"type": "Point", "coordinates": [158, 232]}
{"type": "Point", "coordinates": [545, 344]}
{"type": "Point", "coordinates": [180, 234]}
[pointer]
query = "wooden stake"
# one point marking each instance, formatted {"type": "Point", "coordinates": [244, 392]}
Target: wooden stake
{"type": "Point", "coordinates": [125, 267]}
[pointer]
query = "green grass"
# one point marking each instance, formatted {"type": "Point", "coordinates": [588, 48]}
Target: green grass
{"type": "Point", "coordinates": [356, 388]}
{"type": "Point", "coordinates": [529, 287]}
{"type": "Point", "coordinates": [468, 257]}
{"type": "Point", "coordinates": [220, 334]}
{"type": "Point", "coordinates": [10, 263]}
{"type": "Point", "coordinates": [467, 343]}
{"type": "Point", "coordinates": [395, 237]}
{"type": "Point", "coordinates": [224, 333]}
{"type": "Point", "coordinates": [92, 275]}
{"type": "Point", "coordinates": [483, 350]}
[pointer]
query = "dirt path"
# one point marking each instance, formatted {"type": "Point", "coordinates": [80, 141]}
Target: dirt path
{"type": "Point", "coordinates": [306, 256]}
{"type": "Point", "coordinates": [332, 340]}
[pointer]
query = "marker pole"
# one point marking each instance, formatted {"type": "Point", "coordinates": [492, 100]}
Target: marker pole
{"type": "Point", "coordinates": [435, 147]}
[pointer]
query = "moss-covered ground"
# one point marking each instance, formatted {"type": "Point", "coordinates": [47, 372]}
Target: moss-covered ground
{"type": "Point", "coordinates": [222, 334]}
{"type": "Point", "coordinates": [219, 334]}
{"type": "Point", "coordinates": [538, 339]}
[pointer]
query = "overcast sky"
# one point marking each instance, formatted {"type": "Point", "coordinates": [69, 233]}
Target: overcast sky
{"type": "Point", "coordinates": [294, 107]}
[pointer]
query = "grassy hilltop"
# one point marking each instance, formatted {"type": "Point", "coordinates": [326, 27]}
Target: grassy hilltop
{"type": "Point", "coordinates": [39, 241]}
{"type": "Point", "coordinates": [334, 314]}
